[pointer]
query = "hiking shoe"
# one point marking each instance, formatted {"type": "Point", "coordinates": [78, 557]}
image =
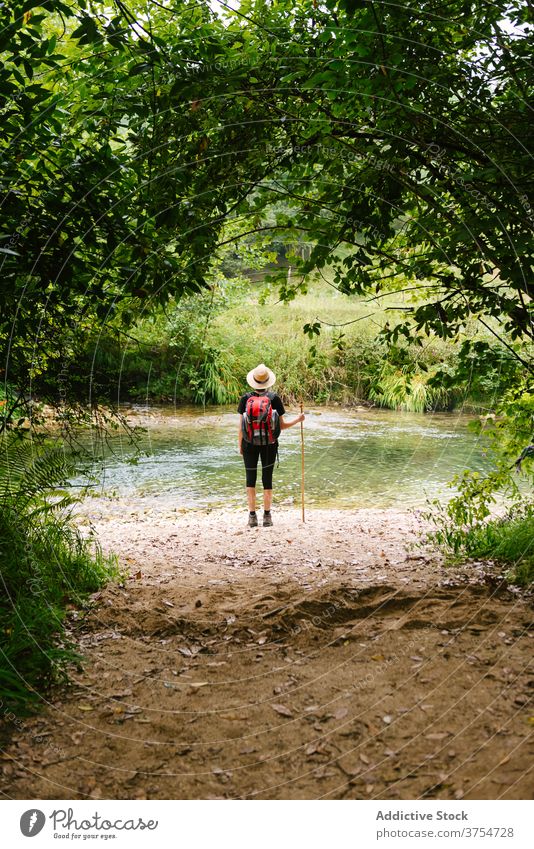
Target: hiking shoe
{"type": "Point", "coordinates": [252, 520]}
{"type": "Point", "coordinates": [267, 521]}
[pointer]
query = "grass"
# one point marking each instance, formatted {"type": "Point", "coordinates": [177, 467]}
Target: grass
{"type": "Point", "coordinates": [343, 364]}
{"type": "Point", "coordinates": [45, 568]}
{"type": "Point", "coordinates": [508, 540]}
{"type": "Point", "coordinates": [200, 350]}
{"type": "Point", "coordinates": [399, 389]}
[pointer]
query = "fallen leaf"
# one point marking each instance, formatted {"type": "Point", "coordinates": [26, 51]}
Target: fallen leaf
{"type": "Point", "coordinates": [222, 774]}
{"type": "Point", "coordinates": [323, 772]}
{"type": "Point", "coordinates": [364, 759]}
{"type": "Point", "coordinates": [352, 771]}
{"type": "Point", "coordinates": [77, 737]}
{"type": "Point", "coordinates": [85, 707]}
{"type": "Point", "coordinates": [186, 652]}
{"type": "Point", "coordinates": [340, 713]}
{"type": "Point", "coordinates": [282, 710]}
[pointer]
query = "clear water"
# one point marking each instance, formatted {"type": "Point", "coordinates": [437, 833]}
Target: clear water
{"type": "Point", "coordinates": [354, 458]}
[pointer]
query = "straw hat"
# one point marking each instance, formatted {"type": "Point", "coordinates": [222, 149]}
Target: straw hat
{"type": "Point", "coordinates": [261, 377]}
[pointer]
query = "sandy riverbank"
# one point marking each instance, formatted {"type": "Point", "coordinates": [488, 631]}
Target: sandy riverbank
{"type": "Point", "coordinates": [330, 659]}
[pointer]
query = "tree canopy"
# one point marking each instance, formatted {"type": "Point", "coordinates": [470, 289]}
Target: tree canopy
{"type": "Point", "coordinates": [140, 138]}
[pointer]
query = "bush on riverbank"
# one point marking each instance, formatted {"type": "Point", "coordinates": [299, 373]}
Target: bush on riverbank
{"type": "Point", "coordinates": [201, 349]}
{"type": "Point", "coordinates": [466, 526]}
{"type": "Point", "coordinates": [45, 567]}
{"type": "Point", "coordinates": [507, 539]}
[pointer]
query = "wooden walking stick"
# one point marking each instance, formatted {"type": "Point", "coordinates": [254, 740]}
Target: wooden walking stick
{"type": "Point", "coordinates": [302, 462]}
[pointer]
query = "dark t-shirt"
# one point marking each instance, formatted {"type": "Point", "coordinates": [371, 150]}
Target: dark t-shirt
{"type": "Point", "coordinates": [276, 402]}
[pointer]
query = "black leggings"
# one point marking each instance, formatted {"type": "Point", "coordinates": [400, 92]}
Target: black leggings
{"type": "Point", "coordinates": [268, 453]}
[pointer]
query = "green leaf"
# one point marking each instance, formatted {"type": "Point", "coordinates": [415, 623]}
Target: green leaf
{"type": "Point", "coordinates": [51, 46]}
{"type": "Point", "coordinates": [139, 68]}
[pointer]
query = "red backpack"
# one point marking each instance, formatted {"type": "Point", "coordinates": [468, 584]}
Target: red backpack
{"type": "Point", "coordinates": [261, 423]}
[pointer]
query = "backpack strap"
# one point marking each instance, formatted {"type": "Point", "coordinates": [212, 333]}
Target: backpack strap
{"type": "Point", "coordinates": [264, 421]}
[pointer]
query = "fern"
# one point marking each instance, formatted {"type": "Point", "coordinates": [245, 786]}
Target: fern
{"type": "Point", "coordinates": [44, 564]}
{"type": "Point", "coordinates": [33, 477]}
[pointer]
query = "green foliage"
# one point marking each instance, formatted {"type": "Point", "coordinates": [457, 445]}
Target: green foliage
{"type": "Point", "coordinates": [406, 176]}
{"type": "Point", "coordinates": [507, 539]}
{"type": "Point", "coordinates": [28, 474]}
{"type": "Point", "coordinates": [45, 566]}
{"type": "Point", "coordinates": [407, 388]}
{"type": "Point", "coordinates": [110, 205]}
{"type": "Point", "coordinates": [482, 368]}
{"type": "Point", "coordinates": [200, 348]}
{"type": "Point", "coordinates": [12, 412]}
{"type": "Point", "coordinates": [511, 427]}
{"type": "Point", "coordinates": [133, 140]}
{"type": "Point", "coordinates": [217, 381]}
{"type": "Point", "coordinates": [466, 524]}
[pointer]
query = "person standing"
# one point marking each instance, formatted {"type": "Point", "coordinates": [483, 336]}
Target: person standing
{"type": "Point", "coordinates": [261, 418]}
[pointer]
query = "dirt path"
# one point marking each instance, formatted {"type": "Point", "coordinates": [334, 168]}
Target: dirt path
{"type": "Point", "coordinates": [327, 660]}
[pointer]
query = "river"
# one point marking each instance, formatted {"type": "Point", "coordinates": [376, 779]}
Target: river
{"type": "Point", "coordinates": [353, 458]}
